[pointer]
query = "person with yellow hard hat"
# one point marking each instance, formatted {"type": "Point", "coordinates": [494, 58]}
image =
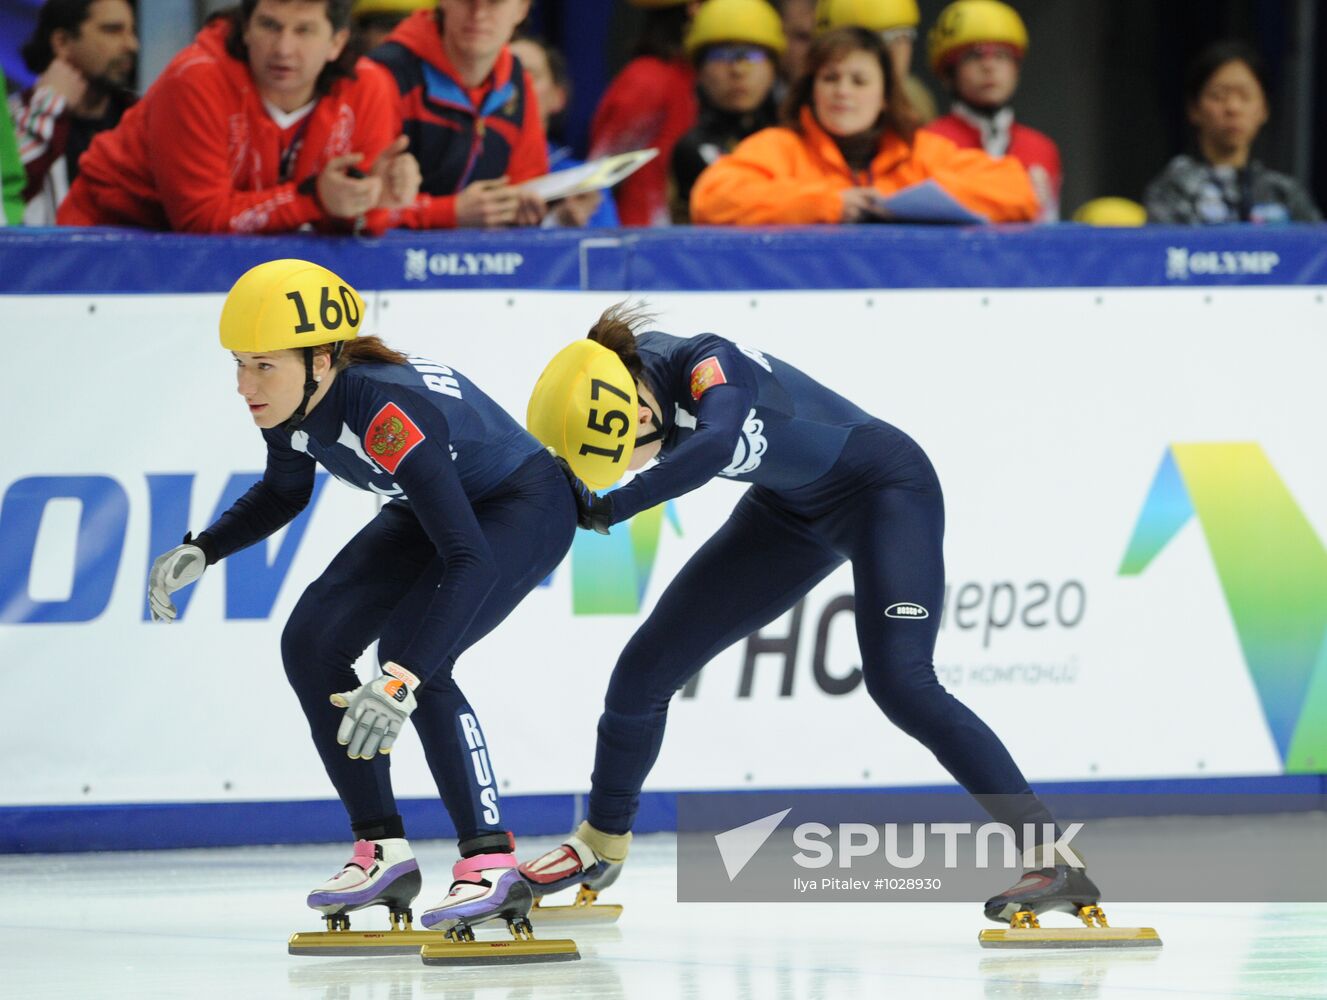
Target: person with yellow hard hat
{"type": "Point", "coordinates": [735, 45]}
{"type": "Point", "coordinates": [478, 514]}
{"type": "Point", "coordinates": [976, 49]}
{"type": "Point", "coordinates": [848, 140]}
{"type": "Point", "coordinates": [829, 483]}
{"type": "Point", "coordinates": [373, 20]}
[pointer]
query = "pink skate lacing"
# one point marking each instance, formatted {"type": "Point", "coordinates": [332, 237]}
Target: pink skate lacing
{"type": "Point", "coordinates": [468, 869]}
{"type": "Point", "coordinates": [364, 856]}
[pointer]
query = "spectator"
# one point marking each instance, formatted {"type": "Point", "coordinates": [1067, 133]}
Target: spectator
{"type": "Point", "coordinates": [85, 53]}
{"type": "Point", "coordinates": [848, 139]}
{"type": "Point", "coordinates": [1225, 93]}
{"type": "Point", "coordinates": [896, 21]}
{"type": "Point", "coordinates": [12, 178]}
{"type": "Point", "coordinates": [734, 45]}
{"type": "Point", "coordinates": [799, 28]}
{"type": "Point", "coordinates": [651, 103]}
{"type": "Point", "coordinates": [371, 21]}
{"type": "Point", "coordinates": [976, 50]}
{"type": "Point", "coordinates": [258, 126]}
{"type": "Point", "coordinates": [552, 87]}
{"type": "Point", "coordinates": [471, 114]}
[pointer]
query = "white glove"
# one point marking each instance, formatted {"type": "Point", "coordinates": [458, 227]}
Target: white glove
{"type": "Point", "coordinates": [375, 712]}
{"type": "Point", "coordinates": [178, 568]}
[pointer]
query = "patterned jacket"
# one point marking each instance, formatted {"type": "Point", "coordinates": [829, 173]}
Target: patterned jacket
{"type": "Point", "coordinates": [1193, 192]}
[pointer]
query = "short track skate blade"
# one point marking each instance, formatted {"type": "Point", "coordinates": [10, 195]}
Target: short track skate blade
{"type": "Point", "coordinates": [365, 943]}
{"type": "Point", "coordinates": [575, 913]}
{"type": "Point", "coordinates": [499, 952]}
{"type": "Point", "coordinates": [1070, 937]}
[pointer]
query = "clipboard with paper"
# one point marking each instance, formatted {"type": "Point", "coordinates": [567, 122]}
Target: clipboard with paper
{"type": "Point", "coordinates": [926, 202]}
{"type": "Point", "coordinates": [596, 175]}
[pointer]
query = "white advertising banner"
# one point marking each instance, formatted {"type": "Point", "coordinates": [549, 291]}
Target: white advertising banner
{"type": "Point", "coordinates": [1135, 500]}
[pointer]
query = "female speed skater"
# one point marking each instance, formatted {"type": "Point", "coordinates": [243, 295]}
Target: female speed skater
{"type": "Point", "coordinates": [477, 514]}
{"type": "Point", "coordinates": [830, 483]}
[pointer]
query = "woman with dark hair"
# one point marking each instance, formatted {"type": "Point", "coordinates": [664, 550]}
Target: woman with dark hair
{"type": "Point", "coordinates": [1225, 95]}
{"type": "Point", "coordinates": [849, 138]}
{"type": "Point", "coordinates": [830, 483]}
{"type": "Point", "coordinates": [477, 514]}
{"type": "Point", "coordinates": [651, 103]}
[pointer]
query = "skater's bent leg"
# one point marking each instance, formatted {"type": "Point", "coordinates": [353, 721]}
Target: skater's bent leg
{"type": "Point", "coordinates": [897, 559]}
{"type": "Point", "coordinates": [529, 527]}
{"type": "Point", "coordinates": [757, 566]}
{"type": "Point", "coordinates": [334, 621]}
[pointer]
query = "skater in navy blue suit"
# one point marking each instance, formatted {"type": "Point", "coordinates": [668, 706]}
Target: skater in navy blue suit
{"type": "Point", "coordinates": [477, 513]}
{"type": "Point", "coordinates": [829, 483]}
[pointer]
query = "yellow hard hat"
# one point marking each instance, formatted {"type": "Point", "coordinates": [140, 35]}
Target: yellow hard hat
{"type": "Point", "coordinates": [752, 21]}
{"type": "Point", "coordinates": [287, 304]}
{"type": "Point", "coordinates": [874, 15]}
{"type": "Point", "coordinates": [363, 8]}
{"type": "Point", "coordinates": [584, 408]}
{"type": "Point", "coordinates": [970, 22]}
{"type": "Point", "coordinates": [1111, 212]}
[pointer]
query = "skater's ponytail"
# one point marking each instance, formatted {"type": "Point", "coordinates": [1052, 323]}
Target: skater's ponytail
{"type": "Point", "coordinates": [363, 350]}
{"type": "Point", "coordinates": [616, 330]}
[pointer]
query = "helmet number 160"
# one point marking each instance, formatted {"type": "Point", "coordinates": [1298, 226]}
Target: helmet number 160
{"type": "Point", "coordinates": [330, 311]}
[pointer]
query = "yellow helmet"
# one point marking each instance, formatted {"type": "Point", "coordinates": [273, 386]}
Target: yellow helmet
{"type": "Point", "coordinates": [286, 304]}
{"type": "Point", "coordinates": [363, 8]}
{"type": "Point", "coordinates": [874, 15]}
{"type": "Point", "coordinates": [584, 409]}
{"type": "Point", "coordinates": [1111, 212]}
{"type": "Point", "coordinates": [752, 21]}
{"type": "Point", "coordinates": [970, 22]}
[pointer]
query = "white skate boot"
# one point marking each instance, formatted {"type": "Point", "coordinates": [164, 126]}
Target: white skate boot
{"type": "Point", "coordinates": [589, 858]}
{"type": "Point", "coordinates": [379, 873]}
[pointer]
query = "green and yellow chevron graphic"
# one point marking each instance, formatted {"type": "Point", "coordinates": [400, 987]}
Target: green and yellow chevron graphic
{"type": "Point", "coordinates": [1273, 570]}
{"type": "Point", "coordinates": [610, 573]}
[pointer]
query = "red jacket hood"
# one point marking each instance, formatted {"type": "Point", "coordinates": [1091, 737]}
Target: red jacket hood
{"type": "Point", "coordinates": [212, 40]}
{"type": "Point", "coordinates": [419, 33]}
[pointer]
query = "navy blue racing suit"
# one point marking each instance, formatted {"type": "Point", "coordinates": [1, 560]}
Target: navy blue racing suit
{"type": "Point", "coordinates": [477, 515]}
{"type": "Point", "coordinates": [830, 483]}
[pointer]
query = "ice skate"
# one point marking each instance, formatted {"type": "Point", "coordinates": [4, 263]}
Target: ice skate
{"type": "Point", "coordinates": [1064, 888]}
{"type": "Point", "coordinates": [379, 873]}
{"type": "Point", "coordinates": [488, 887]}
{"type": "Point", "coordinates": [577, 862]}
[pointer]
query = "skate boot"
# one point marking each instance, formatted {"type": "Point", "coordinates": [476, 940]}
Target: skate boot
{"type": "Point", "coordinates": [379, 873]}
{"type": "Point", "coordinates": [589, 858]}
{"type": "Point", "coordinates": [485, 887]}
{"type": "Point", "coordinates": [1045, 890]}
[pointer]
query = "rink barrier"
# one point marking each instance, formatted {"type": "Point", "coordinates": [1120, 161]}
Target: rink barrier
{"type": "Point", "coordinates": [168, 825]}
{"type": "Point", "coordinates": [99, 261]}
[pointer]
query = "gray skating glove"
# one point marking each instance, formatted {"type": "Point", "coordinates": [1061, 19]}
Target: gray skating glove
{"type": "Point", "coordinates": [178, 568]}
{"type": "Point", "coordinates": [375, 712]}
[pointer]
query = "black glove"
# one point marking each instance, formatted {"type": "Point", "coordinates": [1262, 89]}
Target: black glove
{"type": "Point", "coordinates": [593, 511]}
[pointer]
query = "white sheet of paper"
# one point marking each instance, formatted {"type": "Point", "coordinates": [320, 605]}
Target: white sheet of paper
{"type": "Point", "coordinates": [593, 176]}
{"type": "Point", "coordinates": [925, 202]}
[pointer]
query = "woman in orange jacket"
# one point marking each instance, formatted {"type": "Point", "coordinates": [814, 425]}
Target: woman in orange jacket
{"type": "Point", "coordinates": [850, 138]}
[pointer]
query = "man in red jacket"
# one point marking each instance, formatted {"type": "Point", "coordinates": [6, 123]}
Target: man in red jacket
{"type": "Point", "coordinates": [976, 50]}
{"type": "Point", "coordinates": [257, 127]}
{"type": "Point", "coordinates": [469, 109]}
